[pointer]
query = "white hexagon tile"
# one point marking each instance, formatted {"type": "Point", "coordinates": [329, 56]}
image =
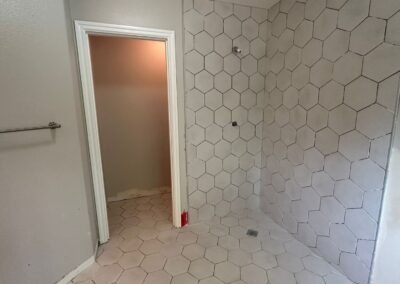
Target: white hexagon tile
{"type": "Point", "coordinates": [224, 171]}
{"type": "Point", "coordinates": [145, 248]}
{"type": "Point", "coordinates": [334, 67]}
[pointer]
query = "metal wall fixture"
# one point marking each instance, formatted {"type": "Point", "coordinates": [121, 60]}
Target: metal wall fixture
{"type": "Point", "coordinates": [236, 49]}
{"type": "Point", "coordinates": [51, 125]}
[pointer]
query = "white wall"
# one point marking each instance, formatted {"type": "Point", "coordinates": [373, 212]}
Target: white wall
{"type": "Point", "coordinates": [47, 223]}
{"type": "Point", "coordinates": [130, 81]}
{"type": "Point", "coordinates": [387, 252]}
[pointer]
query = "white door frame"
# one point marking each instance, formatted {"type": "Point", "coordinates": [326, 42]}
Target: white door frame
{"type": "Point", "coordinates": [83, 29]}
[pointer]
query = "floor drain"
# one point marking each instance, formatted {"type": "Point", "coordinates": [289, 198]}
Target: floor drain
{"type": "Point", "coordinates": [252, 233]}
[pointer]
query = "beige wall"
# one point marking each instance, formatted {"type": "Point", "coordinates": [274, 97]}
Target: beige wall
{"type": "Point", "coordinates": [158, 14]}
{"type": "Point", "coordinates": [47, 223]}
{"type": "Point", "coordinates": [132, 109]}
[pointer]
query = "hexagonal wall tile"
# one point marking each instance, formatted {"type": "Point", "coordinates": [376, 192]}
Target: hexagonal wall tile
{"type": "Point", "coordinates": [279, 24]}
{"type": "Point", "coordinates": [337, 166]}
{"type": "Point", "coordinates": [257, 48]}
{"type": "Point", "coordinates": [204, 81]}
{"type": "Point", "coordinates": [322, 183]}
{"type": "Point", "coordinates": [295, 15]}
{"type": "Point", "coordinates": [213, 99]}
{"type": "Point", "coordinates": [342, 119]}
{"type": "Point", "coordinates": [222, 82]}
{"type": "Point", "coordinates": [298, 116]}
{"type": "Point", "coordinates": [347, 68]}
{"type": "Point", "coordinates": [308, 96]}
{"type": "Point", "coordinates": [336, 45]}
{"type": "Point", "coordinates": [392, 35]}
{"type": "Point", "coordinates": [331, 95]}
{"type": "Point", "coordinates": [203, 7]}
{"type": "Point", "coordinates": [382, 62]}
{"type": "Point", "coordinates": [313, 8]}
{"type": "Point", "coordinates": [223, 45]}
{"type": "Point", "coordinates": [325, 24]}
{"type": "Point", "coordinates": [249, 65]}
{"type": "Point", "coordinates": [349, 194]}
{"type": "Point", "coordinates": [360, 93]}
{"type": "Point", "coordinates": [317, 118]}
{"type": "Point", "coordinates": [321, 73]}
{"type": "Point", "coordinates": [354, 146]}
{"type": "Point", "coordinates": [313, 159]}
{"type": "Point", "coordinates": [193, 21]}
{"type": "Point", "coordinates": [367, 35]}
{"type": "Point", "coordinates": [213, 24]}
{"type": "Point", "coordinates": [240, 82]}
{"type": "Point", "coordinates": [367, 174]}
{"type": "Point", "coordinates": [303, 33]}
{"type": "Point", "coordinates": [300, 76]}
{"type": "Point", "coordinates": [250, 29]}
{"type": "Point", "coordinates": [362, 225]}
{"type": "Point", "coordinates": [374, 121]}
{"type": "Point", "coordinates": [352, 14]}
{"type": "Point", "coordinates": [194, 62]}
{"type": "Point", "coordinates": [312, 52]}
{"type": "Point", "coordinates": [203, 43]}
{"type": "Point", "coordinates": [232, 27]}
{"type": "Point", "coordinates": [223, 9]}
{"type": "Point", "coordinates": [213, 63]}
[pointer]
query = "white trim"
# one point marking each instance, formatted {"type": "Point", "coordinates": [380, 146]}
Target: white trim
{"type": "Point", "coordinates": [83, 29]}
{"type": "Point", "coordinates": [67, 278]}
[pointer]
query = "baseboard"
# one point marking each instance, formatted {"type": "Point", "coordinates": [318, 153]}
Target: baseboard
{"type": "Point", "coordinates": [67, 278]}
{"type": "Point", "coordinates": [138, 192]}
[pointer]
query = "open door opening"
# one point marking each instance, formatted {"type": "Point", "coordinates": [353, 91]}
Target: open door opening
{"type": "Point", "coordinates": [129, 92]}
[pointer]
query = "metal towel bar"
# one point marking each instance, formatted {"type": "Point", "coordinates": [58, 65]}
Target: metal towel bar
{"type": "Point", "coordinates": [51, 125]}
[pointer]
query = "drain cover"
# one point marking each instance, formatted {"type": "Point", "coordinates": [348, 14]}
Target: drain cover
{"type": "Point", "coordinates": [252, 233]}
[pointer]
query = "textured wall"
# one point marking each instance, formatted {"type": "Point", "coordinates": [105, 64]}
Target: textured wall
{"type": "Point", "coordinates": [331, 92]}
{"type": "Point", "coordinates": [130, 81]}
{"type": "Point", "coordinates": [47, 214]}
{"type": "Point", "coordinates": [223, 161]}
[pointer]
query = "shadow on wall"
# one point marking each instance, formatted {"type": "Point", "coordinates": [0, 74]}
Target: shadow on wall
{"type": "Point", "coordinates": [332, 87]}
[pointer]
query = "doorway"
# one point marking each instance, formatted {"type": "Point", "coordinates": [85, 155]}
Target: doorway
{"type": "Point", "coordinates": [131, 117]}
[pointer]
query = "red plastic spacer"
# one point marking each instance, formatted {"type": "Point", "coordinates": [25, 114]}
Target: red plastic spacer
{"type": "Point", "coordinates": [184, 218]}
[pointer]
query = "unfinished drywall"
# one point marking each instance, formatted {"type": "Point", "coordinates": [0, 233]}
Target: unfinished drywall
{"type": "Point", "coordinates": [47, 215]}
{"type": "Point", "coordinates": [130, 81]}
{"type": "Point", "coordinates": [331, 91]}
{"type": "Point", "coordinates": [157, 14]}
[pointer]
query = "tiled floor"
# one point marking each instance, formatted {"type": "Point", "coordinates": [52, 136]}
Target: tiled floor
{"type": "Point", "coordinates": [145, 248]}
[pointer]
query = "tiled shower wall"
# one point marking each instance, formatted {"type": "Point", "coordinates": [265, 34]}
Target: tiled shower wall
{"type": "Point", "coordinates": [331, 91]}
{"type": "Point", "coordinates": [224, 161]}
